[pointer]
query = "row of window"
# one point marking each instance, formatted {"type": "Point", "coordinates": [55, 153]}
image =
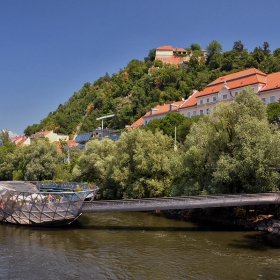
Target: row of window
{"type": "Point", "coordinates": [201, 112]}
{"type": "Point", "coordinates": [214, 99]}
{"type": "Point", "coordinates": [271, 99]}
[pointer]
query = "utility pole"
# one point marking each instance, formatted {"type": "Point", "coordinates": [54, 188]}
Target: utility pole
{"type": "Point", "coordinates": [175, 137]}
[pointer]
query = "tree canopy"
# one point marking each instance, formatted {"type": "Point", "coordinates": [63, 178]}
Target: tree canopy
{"type": "Point", "coordinates": [238, 46]}
{"type": "Point", "coordinates": [213, 48]}
{"type": "Point", "coordinates": [232, 150]}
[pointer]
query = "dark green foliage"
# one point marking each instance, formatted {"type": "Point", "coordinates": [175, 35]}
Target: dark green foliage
{"type": "Point", "coordinates": [4, 136]}
{"type": "Point", "coordinates": [232, 150]}
{"type": "Point", "coordinates": [195, 47]}
{"type": "Point", "coordinates": [238, 46]}
{"type": "Point", "coordinates": [168, 123]}
{"type": "Point", "coordinates": [151, 56]}
{"type": "Point", "coordinates": [273, 112]}
{"type": "Point", "coordinates": [213, 48]}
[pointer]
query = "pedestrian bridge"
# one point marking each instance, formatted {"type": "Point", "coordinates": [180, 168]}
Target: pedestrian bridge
{"type": "Point", "coordinates": [181, 202]}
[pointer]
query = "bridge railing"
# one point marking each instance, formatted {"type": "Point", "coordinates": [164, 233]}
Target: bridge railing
{"type": "Point", "coordinates": [182, 202]}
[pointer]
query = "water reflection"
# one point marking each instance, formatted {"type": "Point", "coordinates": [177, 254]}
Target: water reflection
{"type": "Point", "coordinates": [134, 246]}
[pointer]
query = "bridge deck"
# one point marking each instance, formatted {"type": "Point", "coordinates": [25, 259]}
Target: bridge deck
{"type": "Point", "coordinates": [182, 202]}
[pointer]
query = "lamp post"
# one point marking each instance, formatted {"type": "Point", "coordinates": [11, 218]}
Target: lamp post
{"type": "Point", "coordinates": [175, 136]}
{"type": "Point", "coordinates": [102, 118]}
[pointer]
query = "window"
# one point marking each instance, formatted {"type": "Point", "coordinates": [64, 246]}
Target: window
{"type": "Point", "coordinates": [224, 96]}
{"type": "Point", "coordinates": [207, 112]}
{"type": "Point", "coordinates": [264, 101]}
{"type": "Point", "coordinates": [235, 94]}
{"type": "Point", "coordinates": [271, 99]}
{"type": "Point", "coordinates": [201, 112]}
{"type": "Point", "coordinates": [201, 101]}
{"type": "Point", "coordinates": [146, 122]}
{"type": "Point", "coordinates": [189, 114]}
{"type": "Point", "coordinates": [194, 113]}
{"type": "Point", "coordinates": [214, 98]}
{"type": "Point", "coordinates": [207, 100]}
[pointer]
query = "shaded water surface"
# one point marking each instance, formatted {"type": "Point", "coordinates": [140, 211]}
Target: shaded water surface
{"type": "Point", "coordinates": [134, 246]}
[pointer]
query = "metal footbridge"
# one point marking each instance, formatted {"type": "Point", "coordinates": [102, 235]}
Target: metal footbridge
{"type": "Point", "coordinates": [181, 202]}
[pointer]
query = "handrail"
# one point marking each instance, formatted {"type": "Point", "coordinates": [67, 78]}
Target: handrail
{"type": "Point", "coordinates": [181, 202]}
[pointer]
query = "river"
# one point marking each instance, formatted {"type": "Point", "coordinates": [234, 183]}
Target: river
{"type": "Point", "coordinates": [134, 246]}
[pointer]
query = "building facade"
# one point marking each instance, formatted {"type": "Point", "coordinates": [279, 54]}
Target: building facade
{"type": "Point", "coordinates": [168, 54]}
{"type": "Point", "coordinates": [226, 88]}
{"type": "Point", "coordinates": [223, 89]}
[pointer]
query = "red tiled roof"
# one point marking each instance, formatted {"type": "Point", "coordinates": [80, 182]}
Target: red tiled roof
{"type": "Point", "coordinates": [232, 81]}
{"type": "Point", "coordinates": [191, 101]}
{"type": "Point", "coordinates": [22, 141]}
{"type": "Point", "coordinates": [19, 140]}
{"type": "Point", "coordinates": [238, 83]}
{"type": "Point", "coordinates": [273, 82]}
{"type": "Point", "coordinates": [72, 143]}
{"type": "Point", "coordinates": [165, 48]}
{"type": "Point", "coordinates": [165, 108]}
{"type": "Point", "coordinates": [16, 138]}
{"type": "Point", "coordinates": [239, 75]}
{"type": "Point", "coordinates": [46, 132]}
{"type": "Point", "coordinates": [236, 80]}
{"type": "Point", "coordinates": [179, 50]}
{"type": "Point", "coordinates": [136, 124]}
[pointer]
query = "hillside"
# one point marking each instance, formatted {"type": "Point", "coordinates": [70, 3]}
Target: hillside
{"type": "Point", "coordinates": [132, 91]}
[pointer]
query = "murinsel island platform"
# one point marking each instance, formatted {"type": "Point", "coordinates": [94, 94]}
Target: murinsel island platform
{"type": "Point", "coordinates": [42, 203]}
{"type": "Point", "coordinates": [52, 203]}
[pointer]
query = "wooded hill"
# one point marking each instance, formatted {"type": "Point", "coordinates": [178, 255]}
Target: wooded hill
{"type": "Point", "coordinates": [135, 89]}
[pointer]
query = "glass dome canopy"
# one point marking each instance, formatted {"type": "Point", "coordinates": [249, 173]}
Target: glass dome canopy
{"type": "Point", "coordinates": [42, 203]}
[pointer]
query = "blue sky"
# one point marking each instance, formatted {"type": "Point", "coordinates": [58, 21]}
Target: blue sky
{"type": "Point", "coordinates": [50, 48]}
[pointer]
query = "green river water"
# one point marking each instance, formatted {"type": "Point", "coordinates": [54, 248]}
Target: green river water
{"type": "Point", "coordinates": [134, 246]}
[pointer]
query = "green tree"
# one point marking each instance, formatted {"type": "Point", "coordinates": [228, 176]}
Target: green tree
{"type": "Point", "coordinates": [95, 165]}
{"type": "Point", "coordinates": [142, 164]}
{"type": "Point", "coordinates": [266, 49]}
{"type": "Point", "coordinates": [258, 54]}
{"type": "Point", "coordinates": [166, 124]}
{"type": "Point", "coordinates": [151, 56]}
{"type": "Point", "coordinates": [195, 47]}
{"type": "Point", "coordinates": [32, 129]}
{"type": "Point", "coordinates": [277, 52]}
{"type": "Point", "coordinates": [4, 136]}
{"type": "Point", "coordinates": [213, 48]}
{"type": "Point", "coordinates": [42, 161]}
{"type": "Point", "coordinates": [13, 164]}
{"type": "Point", "coordinates": [231, 150]}
{"type": "Point", "coordinates": [238, 46]}
{"type": "Point", "coordinates": [273, 112]}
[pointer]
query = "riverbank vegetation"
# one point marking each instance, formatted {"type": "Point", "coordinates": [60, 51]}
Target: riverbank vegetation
{"type": "Point", "coordinates": [234, 149]}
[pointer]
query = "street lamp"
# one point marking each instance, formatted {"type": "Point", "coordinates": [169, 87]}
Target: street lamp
{"type": "Point", "coordinates": [175, 136]}
{"type": "Point", "coordinates": [102, 118]}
